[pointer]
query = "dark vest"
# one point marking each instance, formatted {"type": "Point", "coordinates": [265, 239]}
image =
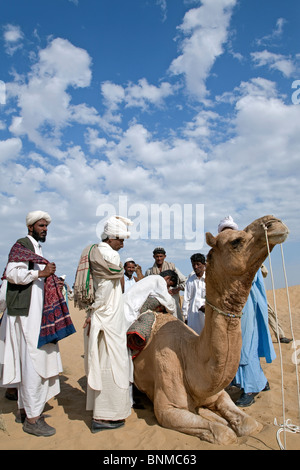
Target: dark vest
{"type": "Point", "coordinates": [18, 296]}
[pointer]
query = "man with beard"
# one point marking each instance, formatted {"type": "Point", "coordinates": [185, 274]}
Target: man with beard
{"type": "Point", "coordinates": [27, 361]}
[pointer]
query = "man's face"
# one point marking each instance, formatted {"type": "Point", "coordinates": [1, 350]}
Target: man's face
{"type": "Point", "coordinates": [159, 258]}
{"type": "Point", "coordinates": [198, 268]}
{"type": "Point", "coordinates": [129, 268]}
{"type": "Point", "coordinates": [116, 243]}
{"type": "Point", "coordinates": [169, 282]}
{"type": "Point", "coordinates": [39, 230]}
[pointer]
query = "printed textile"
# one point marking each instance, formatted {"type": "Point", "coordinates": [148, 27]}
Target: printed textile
{"type": "Point", "coordinates": [56, 322]}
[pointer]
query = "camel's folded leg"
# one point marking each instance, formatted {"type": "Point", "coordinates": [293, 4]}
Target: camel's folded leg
{"type": "Point", "coordinates": [241, 423]}
{"type": "Point", "coordinates": [183, 420]}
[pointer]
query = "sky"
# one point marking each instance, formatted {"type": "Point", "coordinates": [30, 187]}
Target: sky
{"type": "Point", "coordinates": [174, 113]}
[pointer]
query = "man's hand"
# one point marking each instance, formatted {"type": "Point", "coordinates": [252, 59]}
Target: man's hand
{"type": "Point", "coordinates": [174, 291]}
{"type": "Point", "coordinates": [50, 268]}
{"type": "Point", "coordinates": [87, 323]}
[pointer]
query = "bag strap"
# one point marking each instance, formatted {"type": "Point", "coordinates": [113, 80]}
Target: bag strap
{"type": "Point", "coordinates": [87, 283]}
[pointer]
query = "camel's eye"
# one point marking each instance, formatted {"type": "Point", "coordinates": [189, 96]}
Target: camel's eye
{"type": "Point", "coordinates": [236, 243]}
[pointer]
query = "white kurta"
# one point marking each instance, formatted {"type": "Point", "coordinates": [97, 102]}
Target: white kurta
{"type": "Point", "coordinates": [33, 371]}
{"type": "Point", "coordinates": [134, 298]}
{"type": "Point", "coordinates": [193, 299]}
{"type": "Point", "coordinates": [128, 283]}
{"type": "Point", "coordinates": [106, 355]}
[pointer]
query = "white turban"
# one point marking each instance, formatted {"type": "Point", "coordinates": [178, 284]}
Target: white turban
{"type": "Point", "coordinates": [227, 222]}
{"type": "Point", "coordinates": [34, 216]}
{"type": "Point", "coordinates": [116, 227]}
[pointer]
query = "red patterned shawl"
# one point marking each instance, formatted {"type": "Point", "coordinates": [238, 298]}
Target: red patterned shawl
{"type": "Point", "coordinates": [56, 322]}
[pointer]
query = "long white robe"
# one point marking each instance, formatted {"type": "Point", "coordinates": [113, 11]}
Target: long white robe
{"type": "Point", "coordinates": [22, 365]}
{"type": "Point", "coordinates": [193, 299]}
{"type": "Point", "coordinates": [181, 284]}
{"type": "Point", "coordinates": [135, 297]}
{"type": "Point", "coordinates": [106, 355]}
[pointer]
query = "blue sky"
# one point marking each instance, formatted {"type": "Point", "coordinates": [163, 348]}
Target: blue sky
{"type": "Point", "coordinates": [184, 108]}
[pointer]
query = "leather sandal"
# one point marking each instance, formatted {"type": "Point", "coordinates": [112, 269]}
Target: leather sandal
{"type": "Point", "coordinates": [103, 425]}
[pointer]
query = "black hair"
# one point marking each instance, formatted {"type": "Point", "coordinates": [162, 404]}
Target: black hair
{"type": "Point", "coordinates": [173, 275]}
{"type": "Point", "coordinates": [198, 257]}
{"type": "Point", "coordinates": [159, 249]}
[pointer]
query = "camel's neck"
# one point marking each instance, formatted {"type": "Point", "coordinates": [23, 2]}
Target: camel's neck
{"type": "Point", "coordinates": [219, 345]}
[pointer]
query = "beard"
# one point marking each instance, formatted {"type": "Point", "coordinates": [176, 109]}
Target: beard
{"type": "Point", "coordinates": [39, 237]}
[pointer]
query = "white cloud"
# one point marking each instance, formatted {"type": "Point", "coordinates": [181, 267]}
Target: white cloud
{"type": "Point", "coordinates": [275, 34]}
{"type": "Point", "coordinates": [139, 95]}
{"type": "Point", "coordinates": [44, 103]}
{"type": "Point", "coordinates": [143, 93]}
{"type": "Point", "coordinates": [113, 94]}
{"type": "Point", "coordinates": [279, 62]}
{"type": "Point", "coordinates": [205, 30]}
{"type": "Point", "coordinates": [12, 37]}
{"type": "Point", "coordinates": [10, 149]}
{"type": "Point", "coordinates": [163, 6]}
{"type": "Point", "coordinates": [94, 142]}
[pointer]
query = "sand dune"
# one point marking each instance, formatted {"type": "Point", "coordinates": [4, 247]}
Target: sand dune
{"type": "Point", "coordinates": [142, 432]}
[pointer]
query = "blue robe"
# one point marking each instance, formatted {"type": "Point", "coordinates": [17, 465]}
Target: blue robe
{"type": "Point", "coordinates": [256, 339]}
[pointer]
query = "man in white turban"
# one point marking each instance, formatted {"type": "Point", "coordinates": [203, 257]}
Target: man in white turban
{"type": "Point", "coordinates": [227, 222]}
{"type": "Point", "coordinates": [106, 354]}
{"type": "Point", "coordinates": [34, 216]}
{"type": "Point", "coordinates": [33, 370]}
{"type": "Point", "coordinates": [116, 227]}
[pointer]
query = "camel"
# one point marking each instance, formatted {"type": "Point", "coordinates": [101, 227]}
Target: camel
{"type": "Point", "coordinates": [184, 374]}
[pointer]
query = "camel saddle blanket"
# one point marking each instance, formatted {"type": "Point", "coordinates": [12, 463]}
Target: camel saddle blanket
{"type": "Point", "coordinates": [139, 332]}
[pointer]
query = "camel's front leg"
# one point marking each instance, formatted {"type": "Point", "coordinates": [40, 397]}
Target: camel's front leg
{"type": "Point", "coordinates": [181, 419]}
{"type": "Point", "coordinates": [241, 423]}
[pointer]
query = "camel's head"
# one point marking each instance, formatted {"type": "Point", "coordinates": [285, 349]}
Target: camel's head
{"type": "Point", "coordinates": [239, 252]}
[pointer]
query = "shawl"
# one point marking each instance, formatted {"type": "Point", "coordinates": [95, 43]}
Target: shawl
{"type": "Point", "coordinates": [91, 264]}
{"type": "Point", "coordinates": [166, 265]}
{"type": "Point", "coordinates": [56, 322]}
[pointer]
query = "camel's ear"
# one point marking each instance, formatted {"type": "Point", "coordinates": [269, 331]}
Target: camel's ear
{"type": "Point", "coordinates": [210, 239]}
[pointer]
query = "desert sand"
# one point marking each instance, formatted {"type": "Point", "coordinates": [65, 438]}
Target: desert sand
{"type": "Point", "coordinates": [67, 411]}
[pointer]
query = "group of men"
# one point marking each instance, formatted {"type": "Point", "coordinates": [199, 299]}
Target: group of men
{"type": "Point", "coordinates": [30, 367]}
{"type": "Point", "coordinates": [112, 297]}
{"type": "Point", "coordinates": [189, 306]}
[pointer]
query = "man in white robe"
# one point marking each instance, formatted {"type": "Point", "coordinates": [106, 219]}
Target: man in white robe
{"type": "Point", "coordinates": [106, 355]}
{"type": "Point", "coordinates": [193, 307]}
{"type": "Point", "coordinates": [33, 371]}
{"type": "Point", "coordinates": [130, 267]}
{"type": "Point", "coordinates": [155, 286]}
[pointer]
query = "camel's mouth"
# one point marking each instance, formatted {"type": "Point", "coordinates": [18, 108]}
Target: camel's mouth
{"type": "Point", "coordinates": [277, 238]}
{"type": "Point", "coordinates": [277, 231]}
